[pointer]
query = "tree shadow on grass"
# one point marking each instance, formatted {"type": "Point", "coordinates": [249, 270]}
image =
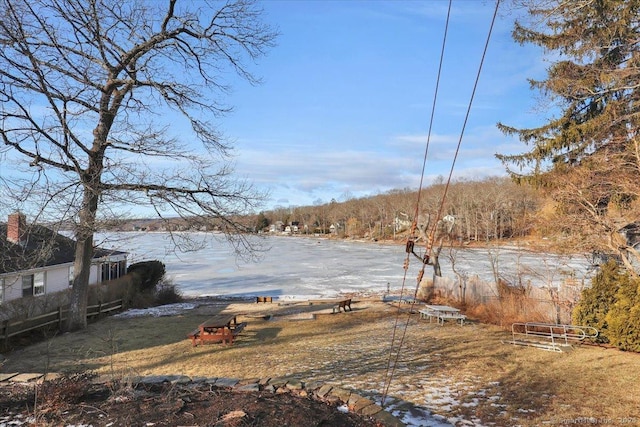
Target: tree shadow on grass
{"type": "Point", "coordinates": [264, 334]}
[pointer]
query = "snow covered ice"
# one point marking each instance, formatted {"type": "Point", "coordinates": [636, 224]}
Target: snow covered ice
{"type": "Point", "coordinates": [299, 268]}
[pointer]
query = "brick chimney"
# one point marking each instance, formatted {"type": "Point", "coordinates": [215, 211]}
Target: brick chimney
{"type": "Point", "coordinates": [16, 226]}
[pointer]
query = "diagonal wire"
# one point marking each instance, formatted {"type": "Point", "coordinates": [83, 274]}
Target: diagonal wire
{"type": "Point", "coordinates": [464, 125]}
{"type": "Point", "coordinates": [389, 368]}
{"type": "Point", "coordinates": [390, 371]}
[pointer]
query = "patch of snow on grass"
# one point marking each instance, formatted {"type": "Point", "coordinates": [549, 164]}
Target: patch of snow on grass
{"type": "Point", "coordinates": [16, 420]}
{"type": "Point", "coordinates": [160, 311]}
{"type": "Point", "coordinates": [414, 416]}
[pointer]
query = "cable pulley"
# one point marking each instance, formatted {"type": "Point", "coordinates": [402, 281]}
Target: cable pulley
{"type": "Point", "coordinates": [410, 249]}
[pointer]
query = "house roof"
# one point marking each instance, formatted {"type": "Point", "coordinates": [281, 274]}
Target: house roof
{"type": "Point", "coordinates": [41, 247]}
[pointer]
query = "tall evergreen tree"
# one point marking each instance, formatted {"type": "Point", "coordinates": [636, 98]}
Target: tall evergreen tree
{"type": "Point", "coordinates": [588, 154]}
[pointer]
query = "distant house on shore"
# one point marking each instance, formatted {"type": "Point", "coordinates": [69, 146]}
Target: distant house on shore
{"type": "Point", "coordinates": [276, 227]}
{"type": "Point", "coordinates": [291, 229]}
{"type": "Point", "coordinates": [35, 261]}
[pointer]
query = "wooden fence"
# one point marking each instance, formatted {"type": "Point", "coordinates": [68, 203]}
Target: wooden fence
{"type": "Point", "coordinates": [10, 328]}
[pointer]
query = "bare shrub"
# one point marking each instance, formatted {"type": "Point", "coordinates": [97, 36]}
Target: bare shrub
{"type": "Point", "coordinates": [509, 309]}
{"type": "Point", "coordinates": [142, 299]}
{"type": "Point", "coordinates": [64, 390]}
{"type": "Point", "coordinates": [167, 293]}
{"type": "Point", "coordinates": [426, 290]}
{"type": "Point", "coordinates": [122, 287]}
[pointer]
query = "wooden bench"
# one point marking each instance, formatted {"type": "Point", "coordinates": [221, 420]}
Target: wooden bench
{"type": "Point", "coordinates": [194, 336]}
{"type": "Point", "coordinates": [220, 328]}
{"type": "Point", "coordinates": [264, 299]}
{"type": "Point", "coordinates": [197, 336]}
{"type": "Point", "coordinates": [342, 305]}
{"type": "Point", "coordinates": [235, 330]}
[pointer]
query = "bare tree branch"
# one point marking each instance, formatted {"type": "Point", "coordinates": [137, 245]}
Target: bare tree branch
{"type": "Point", "coordinates": [86, 89]}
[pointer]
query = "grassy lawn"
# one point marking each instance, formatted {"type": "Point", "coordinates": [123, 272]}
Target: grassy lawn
{"type": "Point", "coordinates": [457, 372]}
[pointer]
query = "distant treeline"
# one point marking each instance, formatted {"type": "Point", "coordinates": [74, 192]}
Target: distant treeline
{"type": "Point", "coordinates": [485, 210]}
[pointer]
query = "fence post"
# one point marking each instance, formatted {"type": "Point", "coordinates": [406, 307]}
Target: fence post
{"type": "Point", "coordinates": [5, 326]}
{"type": "Point", "coordinates": [60, 322]}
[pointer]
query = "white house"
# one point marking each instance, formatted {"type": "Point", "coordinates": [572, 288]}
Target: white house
{"type": "Point", "coordinates": [35, 261]}
{"type": "Point", "coordinates": [276, 227]}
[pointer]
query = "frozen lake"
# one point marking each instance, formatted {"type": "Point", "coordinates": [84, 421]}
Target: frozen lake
{"type": "Point", "coordinates": [314, 268]}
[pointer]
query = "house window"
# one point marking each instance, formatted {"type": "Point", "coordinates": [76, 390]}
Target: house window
{"type": "Point", "coordinates": [112, 270]}
{"type": "Point", "coordinates": [105, 272]}
{"type": "Point", "coordinates": [33, 284]}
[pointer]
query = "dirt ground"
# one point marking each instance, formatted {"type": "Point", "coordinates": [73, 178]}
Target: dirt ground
{"type": "Point", "coordinates": [451, 374]}
{"type": "Point", "coordinates": [74, 402]}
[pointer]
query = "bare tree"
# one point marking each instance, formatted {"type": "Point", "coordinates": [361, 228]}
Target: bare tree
{"type": "Point", "coordinates": [433, 232]}
{"type": "Point", "coordinates": [462, 276]}
{"type": "Point", "coordinates": [89, 89]}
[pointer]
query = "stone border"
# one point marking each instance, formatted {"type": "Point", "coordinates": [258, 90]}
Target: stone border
{"type": "Point", "coordinates": [323, 392]}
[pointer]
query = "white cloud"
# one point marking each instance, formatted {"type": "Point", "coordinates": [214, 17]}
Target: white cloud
{"type": "Point", "coordinates": [347, 110]}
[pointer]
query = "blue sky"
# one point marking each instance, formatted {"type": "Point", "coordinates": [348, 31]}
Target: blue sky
{"type": "Point", "coordinates": [346, 98]}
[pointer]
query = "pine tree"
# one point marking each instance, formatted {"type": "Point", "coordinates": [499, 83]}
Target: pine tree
{"type": "Point", "coordinates": [587, 156]}
{"type": "Point", "coordinates": [597, 300]}
{"type": "Point", "coordinates": [623, 317]}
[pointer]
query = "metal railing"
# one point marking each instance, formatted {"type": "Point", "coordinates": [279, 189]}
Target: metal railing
{"type": "Point", "coordinates": [549, 336]}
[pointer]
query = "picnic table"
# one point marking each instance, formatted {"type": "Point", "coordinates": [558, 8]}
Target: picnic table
{"type": "Point", "coordinates": [219, 328]}
{"type": "Point", "coordinates": [442, 313]}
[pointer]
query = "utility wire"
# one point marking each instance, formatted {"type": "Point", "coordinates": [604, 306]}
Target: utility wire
{"type": "Point", "coordinates": [390, 370]}
{"type": "Point", "coordinates": [464, 125]}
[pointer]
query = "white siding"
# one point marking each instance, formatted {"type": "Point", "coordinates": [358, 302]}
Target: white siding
{"type": "Point", "coordinates": [94, 274]}
{"type": "Point", "coordinates": [12, 288]}
{"type": "Point", "coordinates": [57, 278]}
